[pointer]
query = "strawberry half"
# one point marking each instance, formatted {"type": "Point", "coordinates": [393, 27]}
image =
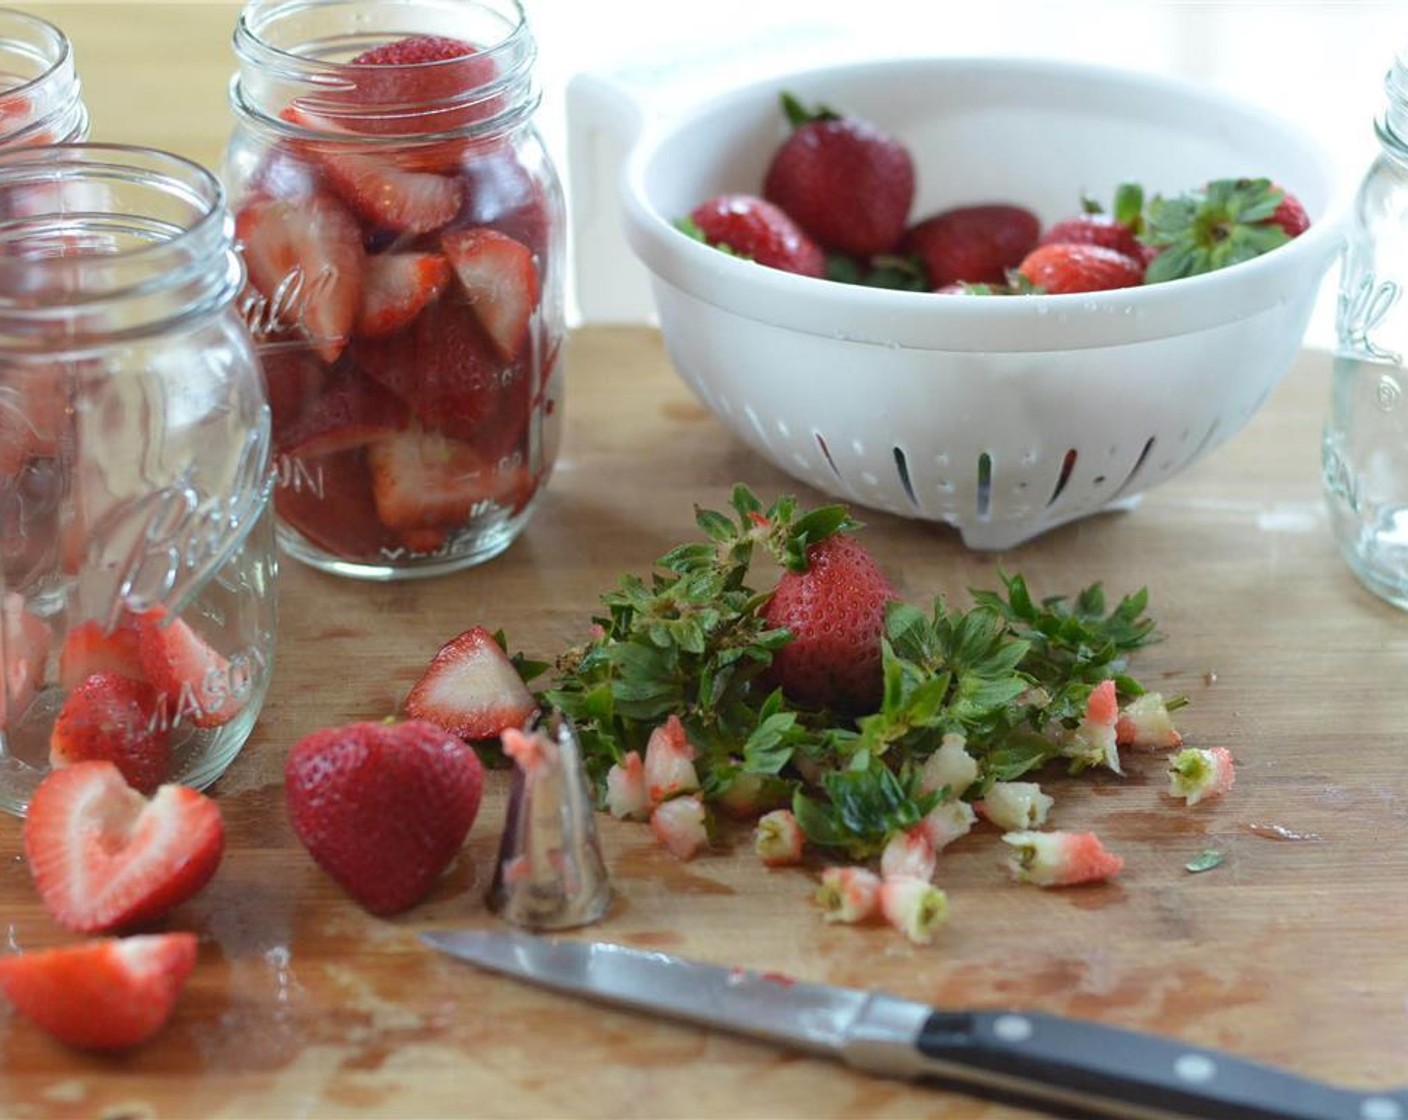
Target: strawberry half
{"type": "Point", "coordinates": [396, 287]}
{"type": "Point", "coordinates": [498, 275]}
{"type": "Point", "coordinates": [421, 480]}
{"type": "Point", "coordinates": [383, 808]}
{"type": "Point", "coordinates": [305, 256]}
{"type": "Point", "coordinates": [112, 718]}
{"type": "Point", "coordinates": [91, 648]}
{"type": "Point", "coordinates": [352, 413]}
{"type": "Point", "coordinates": [105, 858]}
{"type": "Point", "coordinates": [191, 677]}
{"type": "Point", "coordinates": [108, 994]}
{"type": "Point", "coordinates": [471, 689]}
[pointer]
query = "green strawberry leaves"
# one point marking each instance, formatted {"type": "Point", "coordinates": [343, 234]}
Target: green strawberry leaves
{"type": "Point", "coordinates": [1226, 223]}
{"type": "Point", "coordinates": [798, 114]}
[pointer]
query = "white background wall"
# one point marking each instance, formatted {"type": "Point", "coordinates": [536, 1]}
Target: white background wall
{"type": "Point", "coordinates": [1319, 63]}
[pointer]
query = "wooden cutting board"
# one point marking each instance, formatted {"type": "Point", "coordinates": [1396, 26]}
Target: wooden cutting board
{"type": "Point", "coordinates": [1293, 951]}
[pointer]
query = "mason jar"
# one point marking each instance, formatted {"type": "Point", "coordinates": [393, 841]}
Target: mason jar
{"type": "Point", "coordinates": [40, 97]}
{"type": "Point", "coordinates": [403, 231]}
{"type": "Point", "coordinates": [137, 605]}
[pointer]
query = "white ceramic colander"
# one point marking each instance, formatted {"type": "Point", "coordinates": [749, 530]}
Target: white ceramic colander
{"type": "Point", "coordinates": [1003, 417]}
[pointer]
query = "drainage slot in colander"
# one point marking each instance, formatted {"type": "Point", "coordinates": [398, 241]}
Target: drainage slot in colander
{"type": "Point", "coordinates": [1068, 466]}
{"type": "Point", "coordinates": [903, 468]}
{"type": "Point", "coordinates": [1134, 471]}
{"type": "Point", "coordinates": [826, 454]}
{"type": "Point", "coordinates": [984, 486]}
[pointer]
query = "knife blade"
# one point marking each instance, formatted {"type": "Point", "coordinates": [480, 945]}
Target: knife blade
{"type": "Point", "coordinates": [1042, 1059]}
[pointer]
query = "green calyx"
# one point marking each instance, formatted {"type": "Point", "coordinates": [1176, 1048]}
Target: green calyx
{"type": "Point", "coordinates": [1225, 223]}
{"type": "Point", "coordinates": [798, 114]}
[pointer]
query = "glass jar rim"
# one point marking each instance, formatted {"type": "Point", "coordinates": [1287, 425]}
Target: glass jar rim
{"type": "Point", "coordinates": [58, 51]}
{"type": "Point", "coordinates": [44, 107]}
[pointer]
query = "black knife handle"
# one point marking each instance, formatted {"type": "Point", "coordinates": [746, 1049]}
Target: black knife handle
{"type": "Point", "coordinates": [1109, 1071]}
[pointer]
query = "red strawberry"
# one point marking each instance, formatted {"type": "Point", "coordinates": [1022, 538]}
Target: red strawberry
{"type": "Point", "coordinates": [383, 808]}
{"type": "Point", "coordinates": [293, 378]}
{"type": "Point", "coordinates": [432, 74]}
{"type": "Point", "coordinates": [835, 610]}
{"type": "Point", "coordinates": [501, 192]}
{"type": "Point", "coordinates": [105, 858]}
{"type": "Point", "coordinates": [759, 231]}
{"type": "Point", "coordinates": [34, 415]}
{"type": "Point", "coordinates": [500, 278]}
{"type": "Point", "coordinates": [113, 718]}
{"type": "Point", "coordinates": [329, 501]}
{"type": "Point", "coordinates": [91, 648]}
{"type": "Point", "coordinates": [449, 372]}
{"type": "Point", "coordinates": [27, 638]}
{"type": "Point", "coordinates": [845, 181]}
{"type": "Point", "coordinates": [972, 244]}
{"type": "Point", "coordinates": [389, 196]}
{"type": "Point", "coordinates": [1062, 269]}
{"type": "Point", "coordinates": [471, 689]}
{"type": "Point", "coordinates": [1095, 229]}
{"type": "Point", "coordinates": [108, 994]}
{"type": "Point", "coordinates": [421, 480]}
{"type": "Point", "coordinates": [311, 250]}
{"type": "Point", "coordinates": [1290, 215]}
{"type": "Point", "coordinates": [191, 677]}
{"type": "Point", "coordinates": [396, 288]}
{"type": "Point", "coordinates": [352, 413]}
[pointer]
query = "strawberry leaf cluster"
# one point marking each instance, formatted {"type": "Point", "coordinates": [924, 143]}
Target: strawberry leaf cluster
{"type": "Point", "coordinates": [1012, 674]}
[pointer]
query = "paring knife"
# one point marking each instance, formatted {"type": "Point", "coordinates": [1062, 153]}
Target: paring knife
{"type": "Point", "coordinates": [1039, 1058]}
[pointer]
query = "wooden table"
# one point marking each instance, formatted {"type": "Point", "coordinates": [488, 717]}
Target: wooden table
{"type": "Point", "coordinates": [1292, 951]}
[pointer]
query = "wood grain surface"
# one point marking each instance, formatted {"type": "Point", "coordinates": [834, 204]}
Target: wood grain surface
{"type": "Point", "coordinates": [1294, 951]}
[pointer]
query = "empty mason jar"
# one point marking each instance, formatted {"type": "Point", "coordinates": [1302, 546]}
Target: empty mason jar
{"type": "Point", "coordinates": [40, 99]}
{"type": "Point", "coordinates": [136, 602]}
{"type": "Point", "coordinates": [403, 230]}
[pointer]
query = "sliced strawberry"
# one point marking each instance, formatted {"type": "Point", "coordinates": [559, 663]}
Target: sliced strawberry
{"type": "Point", "coordinates": [501, 280]}
{"type": "Point", "coordinates": [500, 191]}
{"type": "Point", "coordinates": [104, 857]}
{"type": "Point", "coordinates": [108, 994]}
{"type": "Point", "coordinates": [390, 196]}
{"type": "Point", "coordinates": [115, 719]}
{"type": "Point", "coordinates": [421, 480]}
{"type": "Point", "coordinates": [91, 648]}
{"type": "Point", "coordinates": [329, 501]}
{"type": "Point", "coordinates": [396, 288]}
{"type": "Point", "coordinates": [27, 638]}
{"type": "Point", "coordinates": [190, 677]}
{"type": "Point", "coordinates": [471, 689]}
{"type": "Point", "coordinates": [294, 378]}
{"type": "Point", "coordinates": [305, 257]}
{"type": "Point", "coordinates": [352, 413]}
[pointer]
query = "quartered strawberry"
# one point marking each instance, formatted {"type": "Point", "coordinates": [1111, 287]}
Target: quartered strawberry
{"type": "Point", "coordinates": [293, 379]}
{"type": "Point", "coordinates": [471, 689]}
{"type": "Point", "coordinates": [845, 181]}
{"type": "Point", "coordinates": [972, 244]}
{"type": "Point", "coordinates": [105, 858]}
{"type": "Point", "coordinates": [108, 994]}
{"type": "Point", "coordinates": [448, 371]}
{"type": "Point", "coordinates": [352, 413]}
{"type": "Point", "coordinates": [835, 610]}
{"type": "Point", "coordinates": [1064, 269]}
{"type": "Point", "coordinates": [329, 501]}
{"type": "Point", "coordinates": [90, 647]}
{"type": "Point", "coordinates": [778, 839]}
{"type": "Point", "coordinates": [669, 762]}
{"type": "Point", "coordinates": [27, 639]}
{"type": "Point", "coordinates": [111, 718]}
{"type": "Point", "coordinates": [421, 480]}
{"type": "Point", "coordinates": [396, 288]}
{"type": "Point", "coordinates": [681, 825]}
{"type": "Point", "coordinates": [500, 279]}
{"type": "Point", "coordinates": [191, 677]}
{"type": "Point", "coordinates": [389, 196]}
{"type": "Point", "coordinates": [1059, 859]}
{"type": "Point", "coordinates": [383, 807]}
{"type": "Point", "coordinates": [306, 256]}
{"type": "Point", "coordinates": [755, 229]}
{"type": "Point", "coordinates": [502, 193]}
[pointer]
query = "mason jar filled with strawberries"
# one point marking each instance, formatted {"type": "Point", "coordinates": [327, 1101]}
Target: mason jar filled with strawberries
{"type": "Point", "coordinates": [402, 228]}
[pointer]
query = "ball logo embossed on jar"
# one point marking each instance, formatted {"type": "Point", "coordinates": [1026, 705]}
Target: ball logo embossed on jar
{"type": "Point", "coordinates": [1362, 310]}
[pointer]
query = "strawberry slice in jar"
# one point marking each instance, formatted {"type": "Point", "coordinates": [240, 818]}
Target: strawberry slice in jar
{"type": "Point", "coordinates": [402, 229]}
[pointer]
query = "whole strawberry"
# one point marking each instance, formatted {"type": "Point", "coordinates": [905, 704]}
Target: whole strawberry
{"type": "Point", "coordinates": [1226, 222]}
{"type": "Point", "coordinates": [845, 181]}
{"type": "Point", "coordinates": [972, 244]}
{"type": "Point", "coordinates": [1118, 230]}
{"type": "Point", "coordinates": [834, 608]}
{"type": "Point", "coordinates": [383, 808]}
{"type": "Point", "coordinates": [756, 229]}
{"type": "Point", "coordinates": [1063, 269]}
